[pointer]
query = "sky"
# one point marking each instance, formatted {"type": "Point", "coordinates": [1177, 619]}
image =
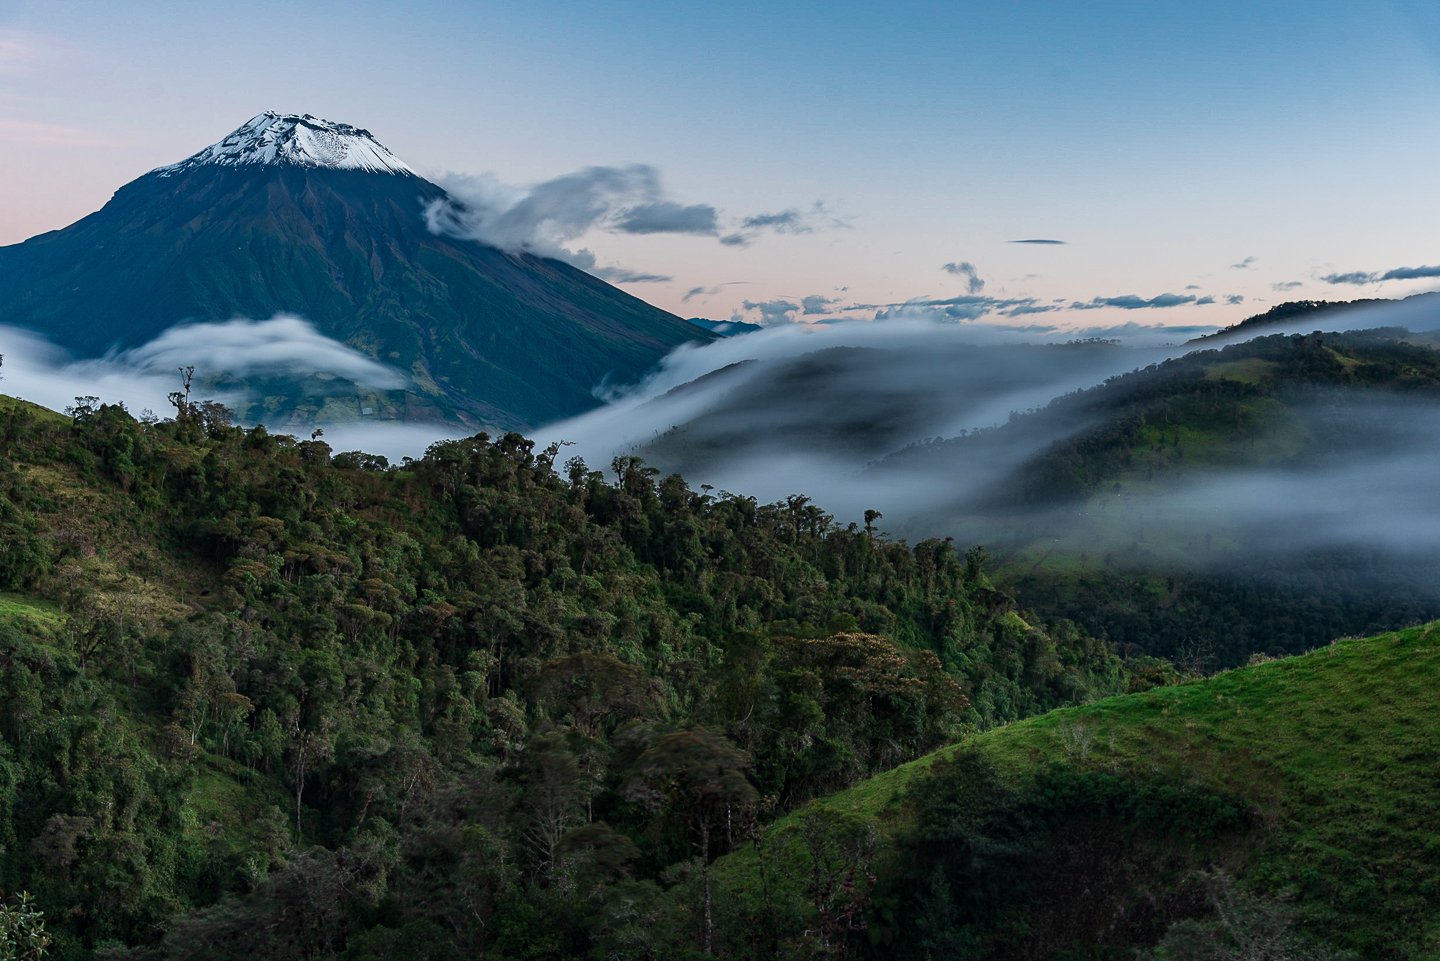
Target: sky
{"type": "Point", "coordinates": [1197, 163]}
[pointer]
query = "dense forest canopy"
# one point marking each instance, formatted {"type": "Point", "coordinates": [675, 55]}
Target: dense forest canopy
{"type": "Point", "coordinates": [260, 698]}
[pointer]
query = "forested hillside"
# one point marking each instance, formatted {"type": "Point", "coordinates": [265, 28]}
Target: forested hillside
{"type": "Point", "coordinates": [1265, 497]}
{"type": "Point", "coordinates": [261, 699]}
{"type": "Point", "coordinates": [1284, 810]}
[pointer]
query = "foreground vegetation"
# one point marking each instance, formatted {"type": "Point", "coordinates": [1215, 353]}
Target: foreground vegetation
{"type": "Point", "coordinates": [260, 699]}
{"type": "Point", "coordinates": [1095, 831]}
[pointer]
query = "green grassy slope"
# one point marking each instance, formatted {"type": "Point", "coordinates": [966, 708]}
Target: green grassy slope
{"type": "Point", "coordinates": [1336, 753]}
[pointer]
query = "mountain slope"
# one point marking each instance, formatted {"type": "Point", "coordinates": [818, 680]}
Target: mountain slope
{"type": "Point", "coordinates": [1203, 504]}
{"type": "Point", "coordinates": [1311, 779]}
{"type": "Point", "coordinates": [259, 700]}
{"type": "Point", "coordinates": [1264, 497]}
{"type": "Point", "coordinates": [268, 222]}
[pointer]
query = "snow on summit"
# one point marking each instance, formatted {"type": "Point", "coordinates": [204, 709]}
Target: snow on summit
{"type": "Point", "coordinates": [296, 140]}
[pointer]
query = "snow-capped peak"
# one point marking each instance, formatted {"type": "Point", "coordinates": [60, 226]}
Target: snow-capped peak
{"type": "Point", "coordinates": [296, 140]}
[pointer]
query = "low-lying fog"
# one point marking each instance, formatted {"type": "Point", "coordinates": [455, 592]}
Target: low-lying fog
{"type": "Point", "coordinates": [241, 349]}
{"type": "Point", "coordinates": [848, 413]}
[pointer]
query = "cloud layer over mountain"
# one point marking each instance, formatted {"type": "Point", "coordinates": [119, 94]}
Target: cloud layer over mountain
{"type": "Point", "coordinates": [236, 350]}
{"type": "Point", "coordinates": [847, 414]}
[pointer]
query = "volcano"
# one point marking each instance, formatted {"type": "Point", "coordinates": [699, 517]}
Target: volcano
{"type": "Point", "coordinates": [295, 215]}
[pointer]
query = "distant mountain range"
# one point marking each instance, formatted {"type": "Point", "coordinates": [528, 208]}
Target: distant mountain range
{"type": "Point", "coordinates": [297, 215]}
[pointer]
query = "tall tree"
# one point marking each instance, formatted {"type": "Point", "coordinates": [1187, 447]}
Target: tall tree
{"type": "Point", "coordinates": [701, 775]}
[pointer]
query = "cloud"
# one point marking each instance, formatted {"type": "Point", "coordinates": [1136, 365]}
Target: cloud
{"type": "Point", "coordinates": [956, 309]}
{"type": "Point", "coordinates": [143, 376]}
{"type": "Point", "coordinates": [1234, 298]}
{"type": "Point", "coordinates": [240, 347]}
{"type": "Point", "coordinates": [1207, 299]}
{"type": "Point", "coordinates": [1020, 310]}
{"type": "Point", "coordinates": [789, 221]}
{"type": "Point", "coordinates": [1411, 273]}
{"type": "Point", "coordinates": [966, 271]}
{"type": "Point", "coordinates": [1360, 277]}
{"type": "Point", "coordinates": [1355, 277]}
{"type": "Point", "coordinates": [694, 292]}
{"type": "Point", "coordinates": [546, 217]}
{"type": "Point", "coordinates": [622, 275]}
{"type": "Point", "coordinates": [950, 310]}
{"type": "Point", "coordinates": [852, 414]}
{"type": "Point", "coordinates": [668, 217]}
{"type": "Point", "coordinates": [870, 389]}
{"type": "Point", "coordinates": [1287, 285]}
{"type": "Point", "coordinates": [1040, 240]}
{"type": "Point", "coordinates": [1244, 264]}
{"type": "Point", "coordinates": [818, 304]}
{"type": "Point", "coordinates": [1133, 302]}
{"type": "Point", "coordinates": [1144, 335]}
{"type": "Point", "coordinates": [231, 352]}
{"type": "Point", "coordinates": [773, 312]}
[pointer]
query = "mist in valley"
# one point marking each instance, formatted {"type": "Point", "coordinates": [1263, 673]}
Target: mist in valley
{"type": "Point", "coordinates": [941, 427]}
{"type": "Point", "coordinates": [957, 431]}
{"type": "Point", "coordinates": [233, 361]}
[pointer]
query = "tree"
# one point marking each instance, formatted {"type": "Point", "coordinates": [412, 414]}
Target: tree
{"type": "Point", "coordinates": [181, 398]}
{"type": "Point", "coordinates": [557, 796]}
{"type": "Point", "coordinates": [1245, 927]}
{"type": "Point", "coordinates": [871, 516]}
{"type": "Point", "coordinates": [22, 929]}
{"type": "Point", "coordinates": [701, 776]}
{"type": "Point", "coordinates": [214, 417]}
{"type": "Point", "coordinates": [593, 688]}
{"type": "Point", "coordinates": [309, 747]}
{"type": "Point", "coordinates": [83, 409]}
{"type": "Point", "coordinates": [842, 850]}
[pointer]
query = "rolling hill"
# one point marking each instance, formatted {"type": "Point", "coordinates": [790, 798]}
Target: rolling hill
{"type": "Point", "coordinates": [1291, 802]}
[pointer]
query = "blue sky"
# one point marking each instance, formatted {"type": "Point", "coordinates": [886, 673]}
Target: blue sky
{"type": "Point", "coordinates": [1166, 143]}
